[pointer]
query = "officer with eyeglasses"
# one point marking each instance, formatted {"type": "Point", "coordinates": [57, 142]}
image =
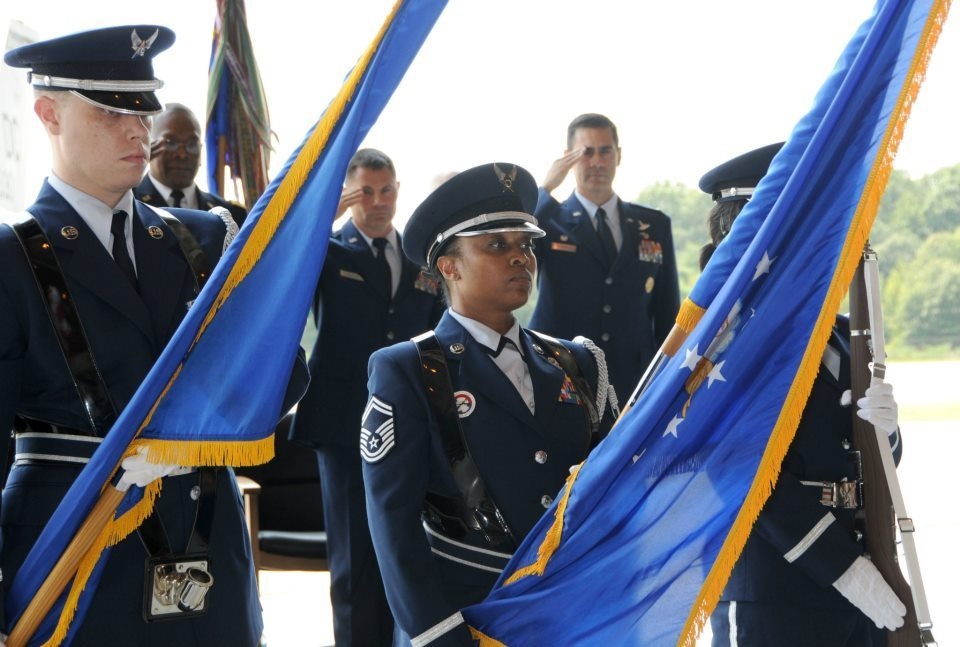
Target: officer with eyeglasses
{"type": "Point", "coordinates": [174, 161]}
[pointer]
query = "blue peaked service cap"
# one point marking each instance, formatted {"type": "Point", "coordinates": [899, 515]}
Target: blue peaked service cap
{"type": "Point", "coordinates": [486, 199]}
{"type": "Point", "coordinates": [736, 179]}
{"type": "Point", "coordinates": [111, 68]}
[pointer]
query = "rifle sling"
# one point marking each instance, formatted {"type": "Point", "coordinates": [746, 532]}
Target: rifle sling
{"type": "Point", "coordinates": [475, 508]}
{"type": "Point", "coordinates": [80, 362]}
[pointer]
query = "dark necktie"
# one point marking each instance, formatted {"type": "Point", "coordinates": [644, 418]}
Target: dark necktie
{"type": "Point", "coordinates": [120, 254]}
{"type": "Point", "coordinates": [504, 342]}
{"type": "Point", "coordinates": [383, 267]}
{"type": "Point", "coordinates": [176, 196]}
{"type": "Point", "coordinates": [606, 237]}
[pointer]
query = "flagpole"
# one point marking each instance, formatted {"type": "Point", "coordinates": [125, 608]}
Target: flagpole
{"type": "Point", "coordinates": [65, 568]}
{"type": "Point", "coordinates": [668, 349]}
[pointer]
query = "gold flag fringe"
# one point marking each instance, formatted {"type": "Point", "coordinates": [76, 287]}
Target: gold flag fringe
{"type": "Point", "coordinates": [689, 315]}
{"type": "Point", "coordinates": [551, 540]}
{"type": "Point", "coordinates": [261, 235]}
{"type": "Point", "coordinates": [485, 640]}
{"type": "Point", "coordinates": [789, 418]}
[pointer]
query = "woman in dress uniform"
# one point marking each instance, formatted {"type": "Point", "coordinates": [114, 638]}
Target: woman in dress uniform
{"type": "Point", "coordinates": [471, 429]}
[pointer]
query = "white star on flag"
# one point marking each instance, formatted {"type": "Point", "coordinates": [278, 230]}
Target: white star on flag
{"type": "Point", "coordinates": [715, 374]}
{"type": "Point", "coordinates": [763, 267]}
{"type": "Point", "coordinates": [690, 361]}
{"type": "Point", "coordinates": [672, 427]}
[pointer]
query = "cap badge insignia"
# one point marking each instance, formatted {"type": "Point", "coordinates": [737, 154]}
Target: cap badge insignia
{"type": "Point", "coordinates": [139, 45]}
{"type": "Point", "coordinates": [506, 179]}
{"type": "Point", "coordinates": [155, 232]}
{"type": "Point", "coordinates": [70, 233]}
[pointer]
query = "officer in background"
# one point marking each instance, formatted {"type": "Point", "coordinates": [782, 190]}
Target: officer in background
{"type": "Point", "coordinates": [802, 578]}
{"type": "Point", "coordinates": [175, 141]}
{"type": "Point", "coordinates": [118, 281]}
{"type": "Point", "coordinates": [369, 296]}
{"type": "Point", "coordinates": [505, 409]}
{"type": "Point", "coordinates": [607, 267]}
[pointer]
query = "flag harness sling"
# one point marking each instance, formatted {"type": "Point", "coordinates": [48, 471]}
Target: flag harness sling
{"type": "Point", "coordinates": [476, 510]}
{"type": "Point", "coordinates": [175, 585]}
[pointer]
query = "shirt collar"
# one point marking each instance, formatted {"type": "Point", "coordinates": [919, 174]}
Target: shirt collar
{"type": "Point", "coordinates": [95, 213]}
{"type": "Point", "coordinates": [391, 238]}
{"type": "Point", "coordinates": [190, 198]}
{"type": "Point", "coordinates": [486, 335]}
{"type": "Point", "coordinates": [611, 206]}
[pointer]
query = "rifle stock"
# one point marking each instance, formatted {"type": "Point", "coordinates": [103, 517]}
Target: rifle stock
{"type": "Point", "coordinates": [878, 515]}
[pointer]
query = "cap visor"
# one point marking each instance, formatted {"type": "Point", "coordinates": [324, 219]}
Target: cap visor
{"type": "Point", "coordinates": [131, 103]}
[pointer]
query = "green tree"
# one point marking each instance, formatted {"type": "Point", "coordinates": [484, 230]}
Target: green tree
{"type": "Point", "coordinates": [922, 295]}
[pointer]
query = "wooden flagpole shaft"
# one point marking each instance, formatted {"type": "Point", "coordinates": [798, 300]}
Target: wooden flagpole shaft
{"type": "Point", "coordinates": [878, 514]}
{"type": "Point", "coordinates": [65, 568]}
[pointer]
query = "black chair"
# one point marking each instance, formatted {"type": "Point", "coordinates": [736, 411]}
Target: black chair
{"type": "Point", "coordinates": [284, 508]}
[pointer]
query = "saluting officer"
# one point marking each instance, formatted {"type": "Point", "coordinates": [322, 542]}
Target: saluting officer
{"type": "Point", "coordinates": [607, 267]}
{"type": "Point", "coordinates": [470, 430]}
{"type": "Point", "coordinates": [802, 578]}
{"type": "Point", "coordinates": [369, 296]}
{"type": "Point", "coordinates": [92, 286]}
{"type": "Point", "coordinates": [170, 181]}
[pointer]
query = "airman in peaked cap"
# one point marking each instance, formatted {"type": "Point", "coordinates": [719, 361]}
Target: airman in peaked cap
{"type": "Point", "coordinates": [111, 68]}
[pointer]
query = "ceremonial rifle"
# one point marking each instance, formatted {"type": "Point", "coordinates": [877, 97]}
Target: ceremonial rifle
{"type": "Point", "coordinates": [883, 512]}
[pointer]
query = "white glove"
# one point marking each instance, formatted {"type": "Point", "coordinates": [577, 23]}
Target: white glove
{"type": "Point", "coordinates": [137, 471]}
{"type": "Point", "coordinates": [863, 585]}
{"type": "Point", "coordinates": [879, 408]}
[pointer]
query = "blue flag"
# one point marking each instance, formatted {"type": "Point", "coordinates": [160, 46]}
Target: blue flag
{"type": "Point", "coordinates": [639, 545]}
{"type": "Point", "coordinates": [215, 394]}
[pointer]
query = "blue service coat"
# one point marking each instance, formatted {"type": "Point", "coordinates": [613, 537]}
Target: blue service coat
{"type": "Point", "coordinates": [627, 311]}
{"type": "Point", "coordinates": [355, 316]}
{"type": "Point", "coordinates": [148, 193]}
{"type": "Point", "coordinates": [427, 577]}
{"type": "Point", "coordinates": [127, 331]}
{"type": "Point", "coordinates": [821, 542]}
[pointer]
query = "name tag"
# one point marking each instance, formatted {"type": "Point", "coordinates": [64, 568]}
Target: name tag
{"type": "Point", "coordinates": [347, 274]}
{"type": "Point", "coordinates": [563, 247]}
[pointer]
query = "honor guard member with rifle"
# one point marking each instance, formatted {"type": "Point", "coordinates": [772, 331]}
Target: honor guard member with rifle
{"type": "Point", "coordinates": [369, 296]}
{"type": "Point", "coordinates": [607, 267]}
{"type": "Point", "coordinates": [802, 578]}
{"type": "Point", "coordinates": [471, 429]}
{"type": "Point", "coordinates": [175, 146]}
{"type": "Point", "coordinates": [92, 286]}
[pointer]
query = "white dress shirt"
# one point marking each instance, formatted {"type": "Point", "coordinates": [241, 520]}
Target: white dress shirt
{"type": "Point", "coordinates": [97, 215]}
{"type": "Point", "coordinates": [509, 361]}
{"type": "Point", "coordinates": [612, 209]}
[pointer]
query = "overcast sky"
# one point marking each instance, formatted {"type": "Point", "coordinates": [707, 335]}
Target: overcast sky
{"type": "Point", "coordinates": [688, 83]}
